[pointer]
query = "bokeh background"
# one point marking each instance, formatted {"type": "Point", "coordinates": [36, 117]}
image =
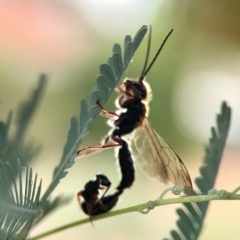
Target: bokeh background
{"type": "Point", "coordinates": [198, 68]}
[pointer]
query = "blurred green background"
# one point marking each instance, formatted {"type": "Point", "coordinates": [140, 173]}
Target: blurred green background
{"type": "Point", "coordinates": [198, 68]}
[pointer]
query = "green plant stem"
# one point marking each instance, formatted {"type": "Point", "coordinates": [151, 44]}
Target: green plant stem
{"type": "Point", "coordinates": [220, 195]}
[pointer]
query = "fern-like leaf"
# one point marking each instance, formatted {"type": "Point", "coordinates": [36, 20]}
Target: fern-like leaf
{"type": "Point", "coordinates": [4, 127]}
{"type": "Point", "coordinates": [191, 219]}
{"type": "Point", "coordinates": [27, 109]}
{"type": "Point", "coordinates": [18, 201]}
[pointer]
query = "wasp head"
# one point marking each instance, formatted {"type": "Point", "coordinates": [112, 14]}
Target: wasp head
{"type": "Point", "coordinates": [137, 89]}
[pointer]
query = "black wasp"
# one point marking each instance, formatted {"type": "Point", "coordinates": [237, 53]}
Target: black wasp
{"type": "Point", "coordinates": [155, 156]}
{"type": "Point", "coordinates": [92, 205]}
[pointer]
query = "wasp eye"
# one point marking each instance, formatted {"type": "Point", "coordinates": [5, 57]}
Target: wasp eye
{"type": "Point", "coordinates": [139, 90]}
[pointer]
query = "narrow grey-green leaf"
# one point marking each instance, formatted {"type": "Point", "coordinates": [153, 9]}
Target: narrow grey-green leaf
{"type": "Point", "coordinates": [84, 116]}
{"type": "Point", "coordinates": [89, 124]}
{"type": "Point", "coordinates": [102, 87]}
{"type": "Point", "coordinates": [118, 65]}
{"type": "Point", "coordinates": [128, 54]}
{"type": "Point", "coordinates": [110, 64]}
{"type": "Point", "coordinates": [64, 174]}
{"type": "Point", "coordinates": [72, 136]}
{"type": "Point", "coordinates": [94, 111]}
{"type": "Point", "coordinates": [69, 164]}
{"type": "Point", "coordinates": [190, 230]}
{"type": "Point", "coordinates": [127, 40]}
{"type": "Point", "coordinates": [176, 235]}
{"type": "Point", "coordinates": [108, 85]}
{"type": "Point", "coordinates": [97, 96]}
{"type": "Point", "coordinates": [139, 37]}
{"type": "Point", "coordinates": [117, 49]}
{"type": "Point", "coordinates": [107, 73]}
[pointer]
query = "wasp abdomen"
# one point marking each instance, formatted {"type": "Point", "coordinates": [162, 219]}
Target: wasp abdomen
{"type": "Point", "coordinates": [127, 167]}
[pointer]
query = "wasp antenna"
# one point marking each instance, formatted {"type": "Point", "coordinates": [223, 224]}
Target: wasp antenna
{"type": "Point", "coordinates": [147, 55]}
{"type": "Point", "coordinates": [158, 52]}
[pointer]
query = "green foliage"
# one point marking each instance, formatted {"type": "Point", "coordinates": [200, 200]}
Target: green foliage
{"type": "Point", "coordinates": [19, 198]}
{"type": "Point", "coordinates": [16, 147]}
{"type": "Point", "coordinates": [191, 219]}
{"type": "Point", "coordinates": [20, 204]}
{"type": "Point", "coordinates": [4, 127]}
{"type": "Point", "coordinates": [18, 201]}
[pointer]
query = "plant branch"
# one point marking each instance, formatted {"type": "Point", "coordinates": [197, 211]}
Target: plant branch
{"type": "Point", "coordinates": [146, 207]}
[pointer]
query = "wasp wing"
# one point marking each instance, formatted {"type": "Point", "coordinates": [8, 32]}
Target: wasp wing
{"type": "Point", "coordinates": [158, 159]}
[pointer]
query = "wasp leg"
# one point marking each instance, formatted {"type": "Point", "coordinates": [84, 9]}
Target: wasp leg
{"type": "Point", "coordinates": [120, 90]}
{"type": "Point", "coordinates": [107, 113]}
{"type": "Point", "coordinates": [96, 149]}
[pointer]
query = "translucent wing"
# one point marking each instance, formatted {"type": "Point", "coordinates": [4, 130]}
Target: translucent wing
{"type": "Point", "coordinates": [158, 159]}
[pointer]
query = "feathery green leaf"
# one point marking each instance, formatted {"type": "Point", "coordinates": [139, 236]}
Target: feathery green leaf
{"type": "Point", "coordinates": [191, 219]}
{"type": "Point", "coordinates": [25, 115]}
{"type": "Point", "coordinates": [18, 203]}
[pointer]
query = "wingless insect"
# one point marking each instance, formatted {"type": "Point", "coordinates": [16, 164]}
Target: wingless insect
{"type": "Point", "coordinates": [92, 205]}
{"type": "Point", "coordinates": [155, 156]}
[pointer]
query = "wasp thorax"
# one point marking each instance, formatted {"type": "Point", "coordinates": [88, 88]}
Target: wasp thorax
{"type": "Point", "coordinates": [137, 89]}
